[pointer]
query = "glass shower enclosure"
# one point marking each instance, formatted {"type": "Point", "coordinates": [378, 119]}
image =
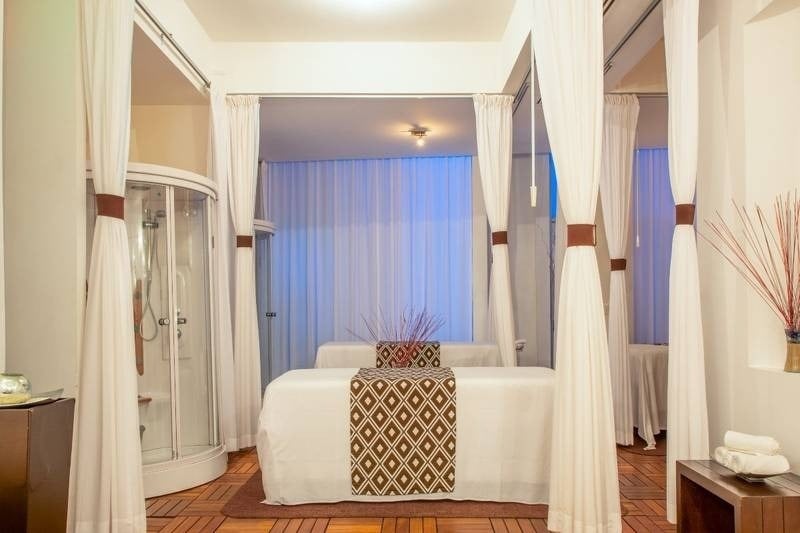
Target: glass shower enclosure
{"type": "Point", "coordinates": [169, 216]}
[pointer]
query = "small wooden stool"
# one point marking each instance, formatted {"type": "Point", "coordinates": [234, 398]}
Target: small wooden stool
{"type": "Point", "coordinates": [711, 498]}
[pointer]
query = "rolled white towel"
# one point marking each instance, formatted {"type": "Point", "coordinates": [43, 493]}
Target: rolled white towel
{"type": "Point", "coordinates": [722, 455]}
{"type": "Point", "coordinates": [758, 464]}
{"type": "Point", "coordinates": [742, 442]}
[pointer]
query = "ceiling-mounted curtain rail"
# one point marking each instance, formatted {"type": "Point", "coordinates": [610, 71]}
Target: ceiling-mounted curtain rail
{"type": "Point", "coordinates": [522, 91]}
{"type": "Point", "coordinates": [362, 95]}
{"type": "Point", "coordinates": [609, 61]}
{"type": "Point", "coordinates": [168, 36]}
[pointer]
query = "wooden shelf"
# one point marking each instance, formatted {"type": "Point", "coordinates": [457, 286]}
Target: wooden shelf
{"type": "Point", "coordinates": [711, 498]}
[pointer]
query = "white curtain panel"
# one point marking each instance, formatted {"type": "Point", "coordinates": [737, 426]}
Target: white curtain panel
{"type": "Point", "coordinates": [493, 124]}
{"type": "Point", "coordinates": [106, 477]}
{"type": "Point", "coordinates": [220, 168]}
{"type": "Point", "coordinates": [243, 117]}
{"type": "Point", "coordinates": [584, 490]}
{"type": "Point", "coordinates": [653, 225]}
{"type": "Point", "coordinates": [621, 113]}
{"type": "Point", "coordinates": [687, 415]}
{"type": "Point", "coordinates": [357, 237]}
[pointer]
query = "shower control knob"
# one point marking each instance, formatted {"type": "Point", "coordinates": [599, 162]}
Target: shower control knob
{"type": "Point", "coordinates": [181, 320]}
{"type": "Point", "coordinates": [163, 321]}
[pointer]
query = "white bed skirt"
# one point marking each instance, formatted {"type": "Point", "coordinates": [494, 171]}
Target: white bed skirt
{"type": "Point", "coordinates": [503, 432]}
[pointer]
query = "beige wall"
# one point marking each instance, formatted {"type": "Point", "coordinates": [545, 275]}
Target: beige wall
{"type": "Point", "coordinates": [2, 261]}
{"type": "Point", "coordinates": [748, 150]}
{"type": "Point", "coordinates": [44, 191]}
{"type": "Point", "coordinates": [171, 135]}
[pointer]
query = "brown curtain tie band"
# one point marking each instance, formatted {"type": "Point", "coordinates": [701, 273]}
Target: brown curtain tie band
{"type": "Point", "coordinates": [684, 214]}
{"type": "Point", "coordinates": [109, 205]}
{"type": "Point", "coordinates": [244, 241]}
{"type": "Point", "coordinates": [499, 237]}
{"type": "Point", "coordinates": [619, 264]}
{"type": "Point", "coordinates": [581, 235]}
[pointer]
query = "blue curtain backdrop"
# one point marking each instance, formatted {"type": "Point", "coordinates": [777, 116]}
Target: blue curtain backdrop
{"type": "Point", "coordinates": [358, 236]}
{"type": "Point", "coordinates": [653, 220]}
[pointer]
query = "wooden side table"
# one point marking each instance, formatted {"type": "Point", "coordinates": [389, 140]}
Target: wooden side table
{"type": "Point", "coordinates": [711, 498]}
{"type": "Point", "coordinates": [35, 448]}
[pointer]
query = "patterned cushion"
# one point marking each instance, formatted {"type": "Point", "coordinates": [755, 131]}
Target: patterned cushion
{"type": "Point", "coordinates": [427, 355]}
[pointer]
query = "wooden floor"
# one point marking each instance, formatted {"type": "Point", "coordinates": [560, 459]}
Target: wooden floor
{"type": "Point", "coordinates": [641, 478]}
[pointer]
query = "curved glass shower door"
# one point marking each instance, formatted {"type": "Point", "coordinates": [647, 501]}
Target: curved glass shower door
{"type": "Point", "coordinates": [146, 219]}
{"type": "Point", "coordinates": [197, 432]}
{"type": "Point", "coordinates": [170, 242]}
{"type": "Point", "coordinates": [169, 217]}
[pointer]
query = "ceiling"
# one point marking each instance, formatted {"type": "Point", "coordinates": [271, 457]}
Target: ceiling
{"type": "Point", "coordinates": [353, 20]}
{"type": "Point", "coordinates": [155, 80]}
{"type": "Point", "coordinates": [295, 129]}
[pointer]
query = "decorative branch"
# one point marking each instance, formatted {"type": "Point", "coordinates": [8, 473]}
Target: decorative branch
{"type": "Point", "coordinates": [767, 257]}
{"type": "Point", "coordinates": [412, 330]}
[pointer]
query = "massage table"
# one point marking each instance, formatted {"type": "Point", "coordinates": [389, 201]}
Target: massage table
{"type": "Point", "coordinates": [648, 367]}
{"type": "Point", "coordinates": [362, 354]}
{"type": "Point", "coordinates": [503, 432]}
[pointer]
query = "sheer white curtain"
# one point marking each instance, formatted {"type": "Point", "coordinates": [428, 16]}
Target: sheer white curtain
{"type": "Point", "coordinates": [653, 224]}
{"type": "Point", "coordinates": [220, 168]}
{"type": "Point", "coordinates": [687, 415]}
{"type": "Point", "coordinates": [584, 491]}
{"type": "Point", "coordinates": [529, 256]}
{"type": "Point", "coordinates": [493, 125]}
{"type": "Point", "coordinates": [358, 236]}
{"type": "Point", "coordinates": [619, 141]}
{"type": "Point", "coordinates": [106, 476]}
{"type": "Point", "coordinates": [243, 117]}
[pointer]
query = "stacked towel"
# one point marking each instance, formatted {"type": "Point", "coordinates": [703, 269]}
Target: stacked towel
{"type": "Point", "coordinates": [742, 442]}
{"type": "Point", "coordinates": [751, 455]}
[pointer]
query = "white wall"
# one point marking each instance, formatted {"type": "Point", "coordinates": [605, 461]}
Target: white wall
{"type": "Point", "coordinates": [360, 68]}
{"type": "Point", "coordinates": [171, 135]}
{"type": "Point", "coordinates": [748, 151]}
{"type": "Point", "coordinates": [44, 191]}
{"type": "Point", "coordinates": [2, 260]}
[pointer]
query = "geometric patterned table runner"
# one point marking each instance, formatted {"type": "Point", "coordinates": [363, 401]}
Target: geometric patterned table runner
{"type": "Point", "coordinates": [427, 354]}
{"type": "Point", "coordinates": [402, 431]}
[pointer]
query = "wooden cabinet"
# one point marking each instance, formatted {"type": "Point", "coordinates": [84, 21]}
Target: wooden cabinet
{"type": "Point", "coordinates": [35, 447]}
{"type": "Point", "coordinates": [711, 498]}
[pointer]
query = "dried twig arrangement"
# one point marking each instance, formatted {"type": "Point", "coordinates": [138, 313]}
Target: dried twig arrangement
{"type": "Point", "coordinates": [410, 332]}
{"type": "Point", "coordinates": [767, 257]}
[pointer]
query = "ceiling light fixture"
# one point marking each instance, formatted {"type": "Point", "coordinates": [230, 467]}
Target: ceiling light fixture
{"type": "Point", "coordinates": [419, 134]}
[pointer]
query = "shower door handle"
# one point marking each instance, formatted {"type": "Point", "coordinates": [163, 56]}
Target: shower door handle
{"type": "Point", "coordinates": [181, 320]}
{"type": "Point", "coordinates": [163, 321]}
{"type": "Point", "coordinates": [270, 315]}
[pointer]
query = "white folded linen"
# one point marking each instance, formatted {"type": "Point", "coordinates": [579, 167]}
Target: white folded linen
{"type": "Point", "coordinates": [751, 463]}
{"type": "Point", "coordinates": [743, 442]}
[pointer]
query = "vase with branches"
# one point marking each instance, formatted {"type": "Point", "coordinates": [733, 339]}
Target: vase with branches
{"type": "Point", "coordinates": [410, 331]}
{"type": "Point", "coordinates": [766, 253]}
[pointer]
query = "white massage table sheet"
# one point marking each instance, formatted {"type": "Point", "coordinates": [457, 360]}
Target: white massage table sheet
{"type": "Point", "coordinates": [503, 433]}
{"type": "Point", "coordinates": [648, 367]}
{"type": "Point", "coordinates": [362, 354]}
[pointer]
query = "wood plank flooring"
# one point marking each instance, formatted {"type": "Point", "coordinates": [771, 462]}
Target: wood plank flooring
{"type": "Point", "coordinates": [642, 481]}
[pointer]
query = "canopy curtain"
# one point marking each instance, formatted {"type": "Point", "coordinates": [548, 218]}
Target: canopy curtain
{"type": "Point", "coordinates": [493, 124]}
{"type": "Point", "coordinates": [243, 117]}
{"type": "Point", "coordinates": [106, 475]}
{"type": "Point", "coordinates": [361, 237]}
{"type": "Point", "coordinates": [584, 490]}
{"type": "Point", "coordinates": [687, 415]}
{"type": "Point", "coordinates": [654, 223]}
{"type": "Point", "coordinates": [220, 161]}
{"type": "Point", "coordinates": [621, 113]}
